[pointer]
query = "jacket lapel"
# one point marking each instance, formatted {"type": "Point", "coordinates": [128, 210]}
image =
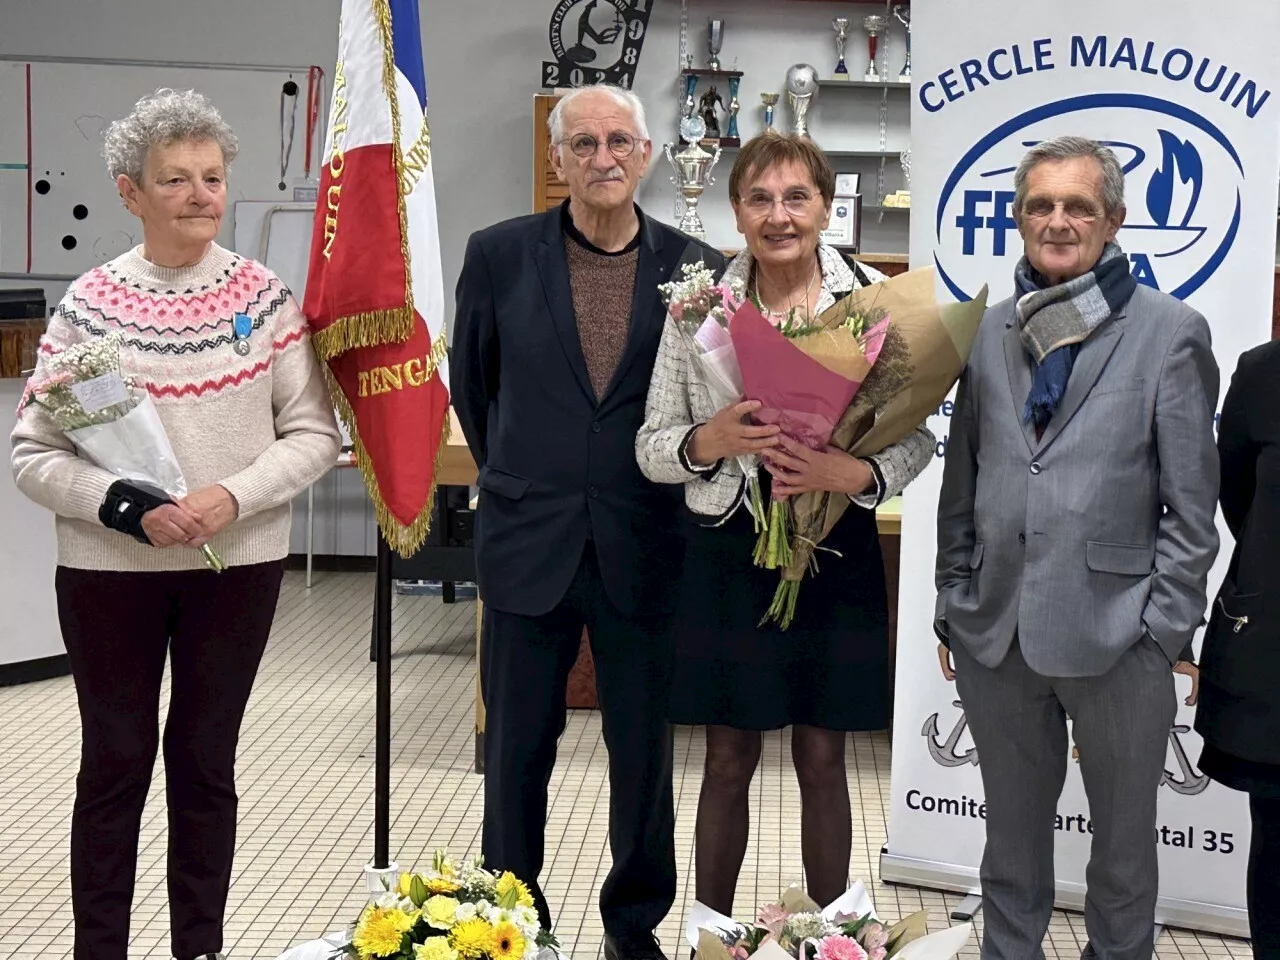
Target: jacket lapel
{"type": "Point", "coordinates": [1019, 364]}
{"type": "Point", "coordinates": [647, 311]}
{"type": "Point", "coordinates": [553, 270]}
{"type": "Point", "coordinates": [1090, 362]}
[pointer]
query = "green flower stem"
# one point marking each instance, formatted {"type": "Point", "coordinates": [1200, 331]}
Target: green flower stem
{"type": "Point", "coordinates": [212, 560]}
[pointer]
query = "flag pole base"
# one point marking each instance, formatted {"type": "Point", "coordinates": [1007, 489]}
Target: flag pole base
{"type": "Point", "coordinates": [380, 880]}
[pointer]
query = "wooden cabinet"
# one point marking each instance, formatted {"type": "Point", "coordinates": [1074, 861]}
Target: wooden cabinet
{"type": "Point", "coordinates": [548, 191]}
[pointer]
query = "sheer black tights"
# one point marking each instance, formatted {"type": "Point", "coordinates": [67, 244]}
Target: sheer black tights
{"type": "Point", "coordinates": [724, 812]}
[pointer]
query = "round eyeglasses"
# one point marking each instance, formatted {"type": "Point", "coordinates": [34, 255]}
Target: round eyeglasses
{"type": "Point", "coordinates": [621, 145]}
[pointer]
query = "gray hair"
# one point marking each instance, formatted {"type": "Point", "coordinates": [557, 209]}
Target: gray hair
{"type": "Point", "coordinates": [1068, 148]}
{"type": "Point", "coordinates": [164, 117]}
{"type": "Point", "coordinates": [624, 98]}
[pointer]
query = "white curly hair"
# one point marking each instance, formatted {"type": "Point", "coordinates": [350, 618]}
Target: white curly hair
{"type": "Point", "coordinates": [164, 117]}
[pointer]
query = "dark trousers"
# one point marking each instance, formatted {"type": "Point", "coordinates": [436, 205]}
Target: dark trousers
{"type": "Point", "coordinates": [1264, 877]}
{"type": "Point", "coordinates": [525, 663]}
{"type": "Point", "coordinates": [118, 628]}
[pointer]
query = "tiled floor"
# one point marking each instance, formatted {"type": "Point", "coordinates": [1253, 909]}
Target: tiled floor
{"type": "Point", "coordinates": [306, 781]}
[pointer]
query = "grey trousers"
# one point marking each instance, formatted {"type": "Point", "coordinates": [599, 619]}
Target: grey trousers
{"type": "Point", "coordinates": [1121, 727]}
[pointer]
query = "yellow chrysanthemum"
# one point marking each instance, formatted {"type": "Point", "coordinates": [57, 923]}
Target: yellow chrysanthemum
{"type": "Point", "coordinates": [442, 885]}
{"type": "Point", "coordinates": [508, 882]}
{"type": "Point", "coordinates": [506, 942]}
{"type": "Point", "coordinates": [379, 932]}
{"type": "Point", "coordinates": [440, 912]}
{"type": "Point", "coordinates": [435, 948]}
{"type": "Point", "coordinates": [471, 938]}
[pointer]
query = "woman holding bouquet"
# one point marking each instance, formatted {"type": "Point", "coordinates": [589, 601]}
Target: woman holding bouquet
{"type": "Point", "coordinates": [828, 673]}
{"type": "Point", "coordinates": [219, 347]}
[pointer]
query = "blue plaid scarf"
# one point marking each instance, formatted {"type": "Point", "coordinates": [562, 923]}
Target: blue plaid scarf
{"type": "Point", "coordinates": [1055, 320]}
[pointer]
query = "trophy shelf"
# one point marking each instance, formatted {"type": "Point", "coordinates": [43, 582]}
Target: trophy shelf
{"type": "Point", "coordinates": [701, 72]}
{"type": "Point", "coordinates": [866, 84]}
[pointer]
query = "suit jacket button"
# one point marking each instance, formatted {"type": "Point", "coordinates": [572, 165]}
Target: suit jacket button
{"type": "Point", "coordinates": [595, 428]}
{"type": "Point", "coordinates": [1022, 538]}
{"type": "Point", "coordinates": [593, 492]}
{"type": "Point", "coordinates": [1035, 468]}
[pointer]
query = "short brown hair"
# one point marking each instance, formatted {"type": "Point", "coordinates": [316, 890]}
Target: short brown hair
{"type": "Point", "coordinates": [771, 149]}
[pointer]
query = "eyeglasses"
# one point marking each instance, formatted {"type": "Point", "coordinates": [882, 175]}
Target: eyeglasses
{"type": "Point", "coordinates": [1040, 208]}
{"type": "Point", "coordinates": [762, 204]}
{"type": "Point", "coordinates": [621, 145]}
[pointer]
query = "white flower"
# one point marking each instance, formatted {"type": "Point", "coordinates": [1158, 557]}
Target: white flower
{"type": "Point", "coordinates": [466, 911]}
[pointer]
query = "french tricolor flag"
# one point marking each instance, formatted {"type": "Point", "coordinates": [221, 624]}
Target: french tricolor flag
{"type": "Point", "coordinates": [375, 292]}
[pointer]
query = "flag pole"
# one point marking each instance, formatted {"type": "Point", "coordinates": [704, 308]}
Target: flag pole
{"type": "Point", "coordinates": [382, 709]}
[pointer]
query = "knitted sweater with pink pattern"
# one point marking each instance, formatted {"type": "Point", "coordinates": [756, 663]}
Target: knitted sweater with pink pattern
{"type": "Point", "coordinates": [259, 424]}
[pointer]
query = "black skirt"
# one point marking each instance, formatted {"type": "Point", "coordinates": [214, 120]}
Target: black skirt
{"type": "Point", "coordinates": [1249, 776]}
{"type": "Point", "coordinates": [829, 669]}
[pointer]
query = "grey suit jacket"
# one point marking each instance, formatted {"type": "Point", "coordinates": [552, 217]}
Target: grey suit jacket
{"type": "Point", "coordinates": [1102, 530]}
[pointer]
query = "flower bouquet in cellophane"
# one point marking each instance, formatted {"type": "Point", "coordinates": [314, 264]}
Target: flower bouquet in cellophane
{"type": "Point", "coordinates": [110, 419]}
{"type": "Point", "coordinates": [861, 377]}
{"type": "Point", "coordinates": [796, 928]}
{"type": "Point", "coordinates": [447, 912]}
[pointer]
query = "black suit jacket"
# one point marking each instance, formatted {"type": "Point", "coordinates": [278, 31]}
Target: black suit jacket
{"type": "Point", "coordinates": [1239, 709]}
{"type": "Point", "coordinates": [557, 467]}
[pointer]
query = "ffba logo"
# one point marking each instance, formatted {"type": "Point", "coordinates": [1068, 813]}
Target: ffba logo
{"type": "Point", "coordinates": [1183, 181]}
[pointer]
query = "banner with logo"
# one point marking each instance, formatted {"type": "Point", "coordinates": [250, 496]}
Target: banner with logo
{"type": "Point", "coordinates": [1193, 113]}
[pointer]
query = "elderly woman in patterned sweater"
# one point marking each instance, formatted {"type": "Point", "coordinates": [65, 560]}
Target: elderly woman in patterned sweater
{"type": "Point", "coordinates": [829, 673]}
{"type": "Point", "coordinates": [245, 406]}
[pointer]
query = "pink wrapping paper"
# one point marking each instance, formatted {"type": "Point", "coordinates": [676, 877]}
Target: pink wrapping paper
{"type": "Point", "coordinates": [800, 395]}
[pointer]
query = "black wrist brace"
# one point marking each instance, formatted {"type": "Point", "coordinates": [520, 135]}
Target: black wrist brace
{"type": "Point", "coordinates": [126, 503]}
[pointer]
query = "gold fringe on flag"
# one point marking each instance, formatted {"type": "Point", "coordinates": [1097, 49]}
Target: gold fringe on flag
{"type": "Point", "coordinates": [368, 329]}
{"type": "Point", "coordinates": [404, 539]}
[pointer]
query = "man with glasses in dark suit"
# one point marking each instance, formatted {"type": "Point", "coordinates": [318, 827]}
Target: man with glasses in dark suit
{"type": "Point", "coordinates": [557, 328]}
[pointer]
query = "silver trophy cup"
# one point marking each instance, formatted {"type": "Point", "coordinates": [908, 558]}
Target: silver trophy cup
{"type": "Point", "coordinates": [903, 13]}
{"type": "Point", "coordinates": [841, 26]}
{"type": "Point", "coordinates": [802, 86]}
{"type": "Point", "coordinates": [693, 166]}
{"type": "Point", "coordinates": [875, 25]}
{"type": "Point", "coordinates": [715, 40]}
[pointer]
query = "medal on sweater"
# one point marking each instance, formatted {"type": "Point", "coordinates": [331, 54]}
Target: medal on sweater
{"type": "Point", "coordinates": [243, 327]}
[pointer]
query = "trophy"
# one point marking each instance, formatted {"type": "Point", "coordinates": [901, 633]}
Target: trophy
{"type": "Point", "coordinates": [841, 26]}
{"type": "Point", "coordinates": [715, 40]}
{"type": "Point", "coordinates": [690, 104]}
{"type": "Point", "coordinates": [875, 25]}
{"type": "Point", "coordinates": [901, 199]}
{"type": "Point", "coordinates": [903, 13]}
{"type": "Point", "coordinates": [802, 85]}
{"type": "Point", "coordinates": [693, 167]}
{"type": "Point", "coordinates": [734, 106]}
{"type": "Point", "coordinates": [770, 101]}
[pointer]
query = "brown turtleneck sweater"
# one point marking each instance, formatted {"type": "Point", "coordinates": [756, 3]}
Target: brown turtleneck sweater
{"type": "Point", "coordinates": [603, 286]}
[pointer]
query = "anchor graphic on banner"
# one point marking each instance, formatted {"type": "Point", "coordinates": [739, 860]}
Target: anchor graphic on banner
{"type": "Point", "coordinates": [944, 752]}
{"type": "Point", "coordinates": [1192, 781]}
{"type": "Point", "coordinates": [1187, 780]}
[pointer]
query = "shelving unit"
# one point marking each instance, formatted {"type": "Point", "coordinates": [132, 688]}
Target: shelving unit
{"type": "Point", "coordinates": [864, 85]}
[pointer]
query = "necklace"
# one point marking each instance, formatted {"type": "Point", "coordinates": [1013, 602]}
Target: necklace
{"type": "Point", "coordinates": [791, 307]}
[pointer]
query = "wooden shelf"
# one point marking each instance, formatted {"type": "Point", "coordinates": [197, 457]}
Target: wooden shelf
{"type": "Point", "coordinates": [713, 74]}
{"type": "Point", "coordinates": [864, 85]}
{"type": "Point", "coordinates": [863, 154]}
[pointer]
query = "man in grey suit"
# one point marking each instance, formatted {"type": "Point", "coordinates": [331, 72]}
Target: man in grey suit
{"type": "Point", "coordinates": [1075, 535]}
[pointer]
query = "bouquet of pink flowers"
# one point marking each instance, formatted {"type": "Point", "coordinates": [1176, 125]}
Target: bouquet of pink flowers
{"type": "Point", "coordinates": [859, 378]}
{"type": "Point", "coordinates": [795, 928]}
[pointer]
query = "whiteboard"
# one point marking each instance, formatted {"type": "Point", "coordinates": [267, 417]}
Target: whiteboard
{"type": "Point", "coordinates": [77, 218]}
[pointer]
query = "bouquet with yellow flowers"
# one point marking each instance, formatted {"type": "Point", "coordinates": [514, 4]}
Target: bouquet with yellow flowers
{"type": "Point", "coordinates": [451, 912]}
{"type": "Point", "coordinates": [447, 912]}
